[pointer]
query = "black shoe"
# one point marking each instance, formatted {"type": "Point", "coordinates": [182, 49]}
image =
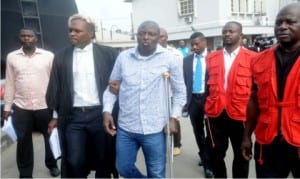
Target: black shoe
{"type": "Point", "coordinates": [208, 173]}
{"type": "Point", "coordinates": [200, 163]}
{"type": "Point", "coordinates": [54, 172]}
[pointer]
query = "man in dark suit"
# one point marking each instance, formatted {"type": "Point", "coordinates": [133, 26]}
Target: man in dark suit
{"type": "Point", "coordinates": [194, 77]}
{"type": "Point", "coordinates": [78, 79]}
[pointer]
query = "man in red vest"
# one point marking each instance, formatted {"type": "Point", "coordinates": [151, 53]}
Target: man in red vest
{"type": "Point", "coordinates": [274, 107]}
{"type": "Point", "coordinates": [228, 86]}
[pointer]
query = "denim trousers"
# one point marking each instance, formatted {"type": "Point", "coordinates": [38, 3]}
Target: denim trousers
{"type": "Point", "coordinates": [154, 150]}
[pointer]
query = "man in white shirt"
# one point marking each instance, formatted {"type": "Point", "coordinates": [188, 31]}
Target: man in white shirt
{"type": "Point", "coordinates": [79, 76]}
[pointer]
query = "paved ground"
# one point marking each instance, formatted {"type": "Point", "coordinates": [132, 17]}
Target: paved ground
{"type": "Point", "coordinates": [185, 165]}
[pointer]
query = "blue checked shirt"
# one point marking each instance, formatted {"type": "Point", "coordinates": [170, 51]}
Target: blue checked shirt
{"type": "Point", "coordinates": [142, 96]}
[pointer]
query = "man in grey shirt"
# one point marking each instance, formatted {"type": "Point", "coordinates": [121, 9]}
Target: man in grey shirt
{"type": "Point", "coordinates": [142, 99]}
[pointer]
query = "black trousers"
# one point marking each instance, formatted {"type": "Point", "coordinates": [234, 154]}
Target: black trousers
{"type": "Point", "coordinates": [223, 128]}
{"type": "Point", "coordinates": [25, 122]}
{"type": "Point", "coordinates": [86, 145]}
{"type": "Point", "coordinates": [177, 136]}
{"type": "Point", "coordinates": [197, 119]}
{"type": "Point", "coordinates": [278, 159]}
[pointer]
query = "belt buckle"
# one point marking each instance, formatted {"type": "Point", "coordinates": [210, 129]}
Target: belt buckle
{"type": "Point", "coordinates": [83, 109]}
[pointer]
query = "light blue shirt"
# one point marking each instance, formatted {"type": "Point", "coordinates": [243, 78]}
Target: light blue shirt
{"type": "Point", "coordinates": [142, 94]}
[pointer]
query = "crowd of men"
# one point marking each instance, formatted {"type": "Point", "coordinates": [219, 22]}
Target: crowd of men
{"type": "Point", "coordinates": [106, 106]}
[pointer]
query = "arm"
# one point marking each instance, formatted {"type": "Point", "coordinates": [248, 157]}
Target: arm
{"type": "Point", "coordinates": [110, 97]}
{"type": "Point", "coordinates": [52, 94]}
{"type": "Point", "coordinates": [10, 88]}
{"type": "Point", "coordinates": [114, 86]}
{"type": "Point", "coordinates": [252, 117]}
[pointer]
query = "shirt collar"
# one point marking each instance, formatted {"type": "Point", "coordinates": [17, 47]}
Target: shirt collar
{"type": "Point", "coordinates": [87, 48]}
{"type": "Point", "coordinates": [235, 52]}
{"type": "Point", "coordinates": [37, 51]}
{"type": "Point", "coordinates": [203, 54]}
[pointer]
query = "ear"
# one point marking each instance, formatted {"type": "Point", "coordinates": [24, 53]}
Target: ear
{"type": "Point", "coordinates": [92, 35]}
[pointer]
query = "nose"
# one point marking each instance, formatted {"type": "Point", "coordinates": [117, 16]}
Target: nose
{"type": "Point", "coordinates": [146, 36]}
{"type": "Point", "coordinates": [194, 47]}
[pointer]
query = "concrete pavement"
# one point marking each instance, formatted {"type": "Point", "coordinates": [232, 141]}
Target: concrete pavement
{"type": "Point", "coordinates": [185, 165]}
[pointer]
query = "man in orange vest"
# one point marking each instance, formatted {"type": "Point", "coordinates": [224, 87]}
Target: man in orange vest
{"type": "Point", "coordinates": [274, 107]}
{"type": "Point", "coordinates": [228, 86]}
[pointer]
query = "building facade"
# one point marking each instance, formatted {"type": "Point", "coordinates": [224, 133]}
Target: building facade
{"type": "Point", "coordinates": [181, 17]}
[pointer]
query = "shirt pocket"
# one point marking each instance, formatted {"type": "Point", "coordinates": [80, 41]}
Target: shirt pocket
{"type": "Point", "coordinates": [131, 78]}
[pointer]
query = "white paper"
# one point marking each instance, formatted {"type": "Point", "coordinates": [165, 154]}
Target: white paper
{"type": "Point", "coordinates": [54, 143]}
{"type": "Point", "coordinates": [8, 128]}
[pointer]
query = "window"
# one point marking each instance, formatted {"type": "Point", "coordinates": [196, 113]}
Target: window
{"type": "Point", "coordinates": [185, 7]}
{"type": "Point", "coordinates": [256, 7]}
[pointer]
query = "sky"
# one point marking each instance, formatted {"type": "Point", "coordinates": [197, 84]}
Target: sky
{"type": "Point", "coordinates": [114, 14]}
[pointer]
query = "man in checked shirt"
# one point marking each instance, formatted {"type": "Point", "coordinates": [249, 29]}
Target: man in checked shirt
{"type": "Point", "coordinates": [142, 116]}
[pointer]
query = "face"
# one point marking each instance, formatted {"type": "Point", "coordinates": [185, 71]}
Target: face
{"type": "Point", "coordinates": [181, 43]}
{"type": "Point", "coordinates": [287, 27]}
{"type": "Point", "coordinates": [28, 39]}
{"type": "Point", "coordinates": [79, 33]}
{"type": "Point", "coordinates": [163, 38]}
{"type": "Point", "coordinates": [231, 34]}
{"type": "Point", "coordinates": [147, 38]}
{"type": "Point", "coordinates": [198, 45]}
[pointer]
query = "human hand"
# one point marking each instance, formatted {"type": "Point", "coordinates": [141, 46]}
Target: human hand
{"type": "Point", "coordinates": [6, 114]}
{"type": "Point", "coordinates": [246, 148]}
{"type": "Point", "coordinates": [109, 124]}
{"type": "Point", "coordinates": [173, 126]}
{"type": "Point", "coordinates": [114, 86]}
{"type": "Point", "coordinates": [52, 124]}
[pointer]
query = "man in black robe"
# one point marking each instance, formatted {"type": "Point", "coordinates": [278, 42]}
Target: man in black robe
{"type": "Point", "coordinates": [78, 79]}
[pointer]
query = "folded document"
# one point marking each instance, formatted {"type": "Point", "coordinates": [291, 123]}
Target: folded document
{"type": "Point", "coordinates": [8, 128]}
{"type": "Point", "coordinates": [54, 144]}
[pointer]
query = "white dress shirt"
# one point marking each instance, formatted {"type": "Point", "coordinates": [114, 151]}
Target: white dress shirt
{"type": "Point", "coordinates": [85, 87]}
{"type": "Point", "coordinates": [228, 61]}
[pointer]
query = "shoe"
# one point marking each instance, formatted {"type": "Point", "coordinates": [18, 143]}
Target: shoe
{"type": "Point", "coordinates": [54, 172]}
{"type": "Point", "coordinates": [208, 173]}
{"type": "Point", "coordinates": [176, 151]}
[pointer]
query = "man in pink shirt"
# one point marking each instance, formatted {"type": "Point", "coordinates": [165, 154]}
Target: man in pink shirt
{"type": "Point", "coordinates": [27, 75]}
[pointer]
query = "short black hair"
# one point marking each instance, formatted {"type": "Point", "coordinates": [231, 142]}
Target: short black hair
{"type": "Point", "coordinates": [196, 35]}
{"type": "Point", "coordinates": [236, 23]}
{"type": "Point", "coordinates": [30, 29]}
{"type": "Point", "coordinates": [150, 23]}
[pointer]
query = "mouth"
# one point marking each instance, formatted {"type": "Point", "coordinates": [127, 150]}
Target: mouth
{"type": "Point", "coordinates": [146, 44]}
{"type": "Point", "coordinates": [282, 35]}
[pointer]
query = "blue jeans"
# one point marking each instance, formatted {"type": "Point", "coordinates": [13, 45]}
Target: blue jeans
{"type": "Point", "coordinates": [154, 149]}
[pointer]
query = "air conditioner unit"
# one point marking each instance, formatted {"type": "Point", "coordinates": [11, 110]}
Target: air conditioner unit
{"type": "Point", "coordinates": [188, 19]}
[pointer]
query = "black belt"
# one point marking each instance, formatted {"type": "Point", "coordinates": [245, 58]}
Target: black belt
{"type": "Point", "coordinates": [86, 108]}
{"type": "Point", "coordinates": [198, 95]}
